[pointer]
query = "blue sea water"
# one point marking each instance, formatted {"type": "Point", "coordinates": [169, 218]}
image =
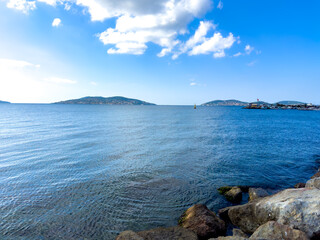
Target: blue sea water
{"type": "Point", "coordinates": [89, 172]}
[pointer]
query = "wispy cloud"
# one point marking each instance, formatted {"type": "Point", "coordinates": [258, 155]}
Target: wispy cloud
{"type": "Point", "coordinates": [251, 64]}
{"type": "Point", "coordinates": [220, 5]}
{"type": "Point", "coordinates": [248, 49]}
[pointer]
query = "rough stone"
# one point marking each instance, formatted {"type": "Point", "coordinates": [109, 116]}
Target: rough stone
{"type": "Point", "coordinates": [276, 231]}
{"type": "Point", "coordinates": [223, 214]}
{"type": "Point", "coordinates": [174, 233]}
{"type": "Point", "coordinates": [203, 222]}
{"type": "Point", "coordinates": [229, 238]}
{"type": "Point", "coordinates": [239, 233]}
{"type": "Point", "coordinates": [129, 235]}
{"type": "Point", "coordinates": [316, 175]}
{"type": "Point", "coordinates": [300, 185]}
{"type": "Point", "coordinates": [298, 208]}
{"type": "Point", "coordinates": [234, 195]}
{"type": "Point", "coordinates": [255, 193]}
{"type": "Point", "coordinates": [313, 183]}
{"type": "Point", "coordinates": [224, 189]}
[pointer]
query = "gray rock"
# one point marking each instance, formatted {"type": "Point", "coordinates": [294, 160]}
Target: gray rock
{"type": "Point", "coordinates": [238, 233]}
{"type": "Point", "coordinates": [234, 195]}
{"type": "Point", "coordinates": [255, 193]}
{"type": "Point", "coordinates": [223, 214]}
{"type": "Point", "coordinates": [313, 183]}
{"type": "Point", "coordinates": [298, 208]}
{"type": "Point", "coordinates": [203, 222]}
{"type": "Point", "coordinates": [174, 233]}
{"type": "Point", "coordinates": [229, 238]}
{"type": "Point", "coordinates": [300, 185]}
{"type": "Point", "coordinates": [276, 231]}
{"type": "Point", "coordinates": [129, 235]}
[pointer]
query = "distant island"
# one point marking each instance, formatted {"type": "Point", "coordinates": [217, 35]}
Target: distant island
{"type": "Point", "coordinates": [105, 101]}
{"type": "Point", "coordinates": [4, 102]}
{"type": "Point", "coordinates": [230, 102]}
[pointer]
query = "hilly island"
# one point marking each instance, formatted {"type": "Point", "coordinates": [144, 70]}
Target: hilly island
{"type": "Point", "coordinates": [231, 102]}
{"type": "Point", "coordinates": [3, 102]}
{"type": "Point", "coordinates": [105, 101]}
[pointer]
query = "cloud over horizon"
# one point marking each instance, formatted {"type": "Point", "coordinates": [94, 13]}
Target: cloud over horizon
{"type": "Point", "coordinates": [140, 22]}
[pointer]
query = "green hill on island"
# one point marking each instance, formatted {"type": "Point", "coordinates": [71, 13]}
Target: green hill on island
{"type": "Point", "coordinates": [230, 102]}
{"type": "Point", "coordinates": [4, 102]}
{"type": "Point", "coordinates": [105, 101]}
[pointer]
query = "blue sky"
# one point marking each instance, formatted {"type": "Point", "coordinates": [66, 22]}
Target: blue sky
{"type": "Point", "coordinates": [161, 51]}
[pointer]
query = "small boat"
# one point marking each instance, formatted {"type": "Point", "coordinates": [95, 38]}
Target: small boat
{"type": "Point", "coordinates": [195, 106]}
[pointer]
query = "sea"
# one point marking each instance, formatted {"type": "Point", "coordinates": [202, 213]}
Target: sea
{"type": "Point", "coordinates": [92, 171]}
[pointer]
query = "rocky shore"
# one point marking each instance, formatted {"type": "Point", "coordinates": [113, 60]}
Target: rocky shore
{"type": "Point", "coordinates": [290, 214]}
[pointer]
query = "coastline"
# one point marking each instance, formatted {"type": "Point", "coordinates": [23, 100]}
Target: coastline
{"type": "Point", "coordinates": [292, 213]}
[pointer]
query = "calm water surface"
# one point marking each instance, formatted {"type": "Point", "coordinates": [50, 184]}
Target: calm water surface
{"type": "Point", "coordinates": [89, 172]}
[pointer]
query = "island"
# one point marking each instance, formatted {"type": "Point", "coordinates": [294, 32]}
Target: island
{"type": "Point", "coordinates": [283, 105]}
{"type": "Point", "coordinates": [105, 101]}
{"type": "Point", "coordinates": [230, 102]}
{"type": "Point", "coordinates": [4, 102]}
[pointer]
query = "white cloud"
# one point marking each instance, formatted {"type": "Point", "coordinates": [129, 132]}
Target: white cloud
{"type": "Point", "coordinates": [193, 84]}
{"type": "Point", "coordinates": [251, 64]}
{"type": "Point", "coordinates": [237, 54]}
{"type": "Point", "coordinates": [220, 5]}
{"type": "Point", "coordinates": [248, 49]}
{"type": "Point", "coordinates": [56, 22]}
{"type": "Point", "coordinates": [14, 64]}
{"type": "Point", "coordinates": [94, 83]}
{"type": "Point", "coordinates": [140, 22]}
{"type": "Point", "coordinates": [22, 5]}
{"type": "Point", "coordinates": [60, 80]}
{"type": "Point", "coordinates": [216, 45]}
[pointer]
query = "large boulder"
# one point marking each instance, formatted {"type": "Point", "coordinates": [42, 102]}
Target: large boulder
{"type": "Point", "coordinates": [203, 222]}
{"type": "Point", "coordinates": [255, 193]}
{"type": "Point", "coordinates": [276, 231]}
{"type": "Point", "coordinates": [174, 233]}
{"type": "Point", "coordinates": [298, 208]}
{"type": "Point", "coordinates": [234, 195]}
{"type": "Point", "coordinates": [300, 185]}
{"type": "Point", "coordinates": [237, 235]}
{"type": "Point", "coordinates": [313, 183]}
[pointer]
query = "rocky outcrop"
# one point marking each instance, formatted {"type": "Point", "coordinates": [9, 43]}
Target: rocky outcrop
{"type": "Point", "coordinates": [234, 195]}
{"type": "Point", "coordinates": [237, 235]}
{"type": "Point", "coordinates": [297, 208]}
{"type": "Point", "coordinates": [300, 185]}
{"type": "Point", "coordinates": [313, 183]}
{"type": "Point", "coordinates": [276, 231]}
{"type": "Point", "coordinates": [203, 222]}
{"type": "Point", "coordinates": [255, 193]}
{"type": "Point", "coordinates": [174, 233]}
{"type": "Point", "coordinates": [316, 175]}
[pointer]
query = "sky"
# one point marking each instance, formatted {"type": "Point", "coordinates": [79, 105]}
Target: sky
{"type": "Point", "coordinates": [170, 52]}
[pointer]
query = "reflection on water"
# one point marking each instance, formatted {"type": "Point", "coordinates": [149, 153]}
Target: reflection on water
{"type": "Point", "coordinates": [89, 172]}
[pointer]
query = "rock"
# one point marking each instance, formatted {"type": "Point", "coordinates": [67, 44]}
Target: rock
{"type": "Point", "coordinates": [229, 238]}
{"type": "Point", "coordinates": [234, 195]}
{"type": "Point", "coordinates": [223, 190]}
{"type": "Point", "coordinates": [255, 193]}
{"type": "Point", "coordinates": [276, 231]}
{"type": "Point", "coordinates": [129, 235]}
{"type": "Point", "coordinates": [300, 185]}
{"type": "Point", "coordinates": [238, 233]}
{"type": "Point", "coordinates": [313, 183]}
{"type": "Point", "coordinates": [174, 233]}
{"type": "Point", "coordinates": [203, 222]}
{"type": "Point", "coordinates": [298, 208]}
{"type": "Point", "coordinates": [316, 175]}
{"type": "Point", "coordinates": [223, 214]}
{"type": "Point", "coordinates": [244, 188]}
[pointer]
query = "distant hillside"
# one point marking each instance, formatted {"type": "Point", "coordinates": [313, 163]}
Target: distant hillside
{"type": "Point", "coordinates": [107, 101]}
{"type": "Point", "coordinates": [3, 102]}
{"type": "Point", "coordinates": [290, 103]}
{"type": "Point", "coordinates": [260, 103]}
{"type": "Point", "coordinates": [231, 102]}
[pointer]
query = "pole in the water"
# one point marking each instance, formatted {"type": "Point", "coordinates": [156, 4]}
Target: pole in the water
{"type": "Point", "coordinates": [195, 106]}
